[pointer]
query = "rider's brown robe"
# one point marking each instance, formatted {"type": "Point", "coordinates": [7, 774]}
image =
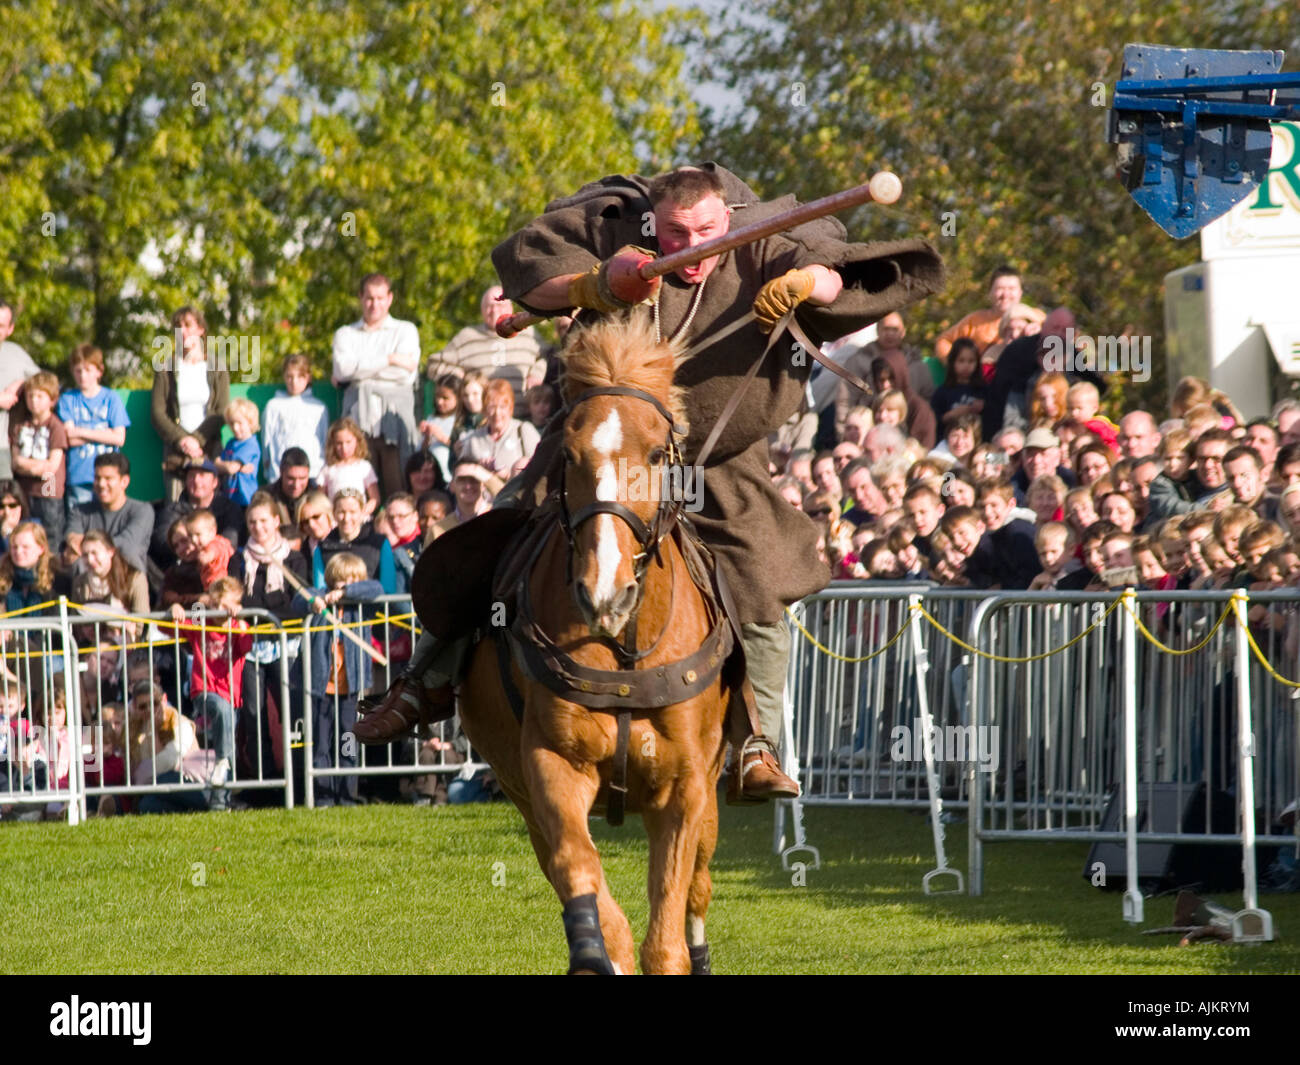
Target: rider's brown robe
{"type": "Point", "coordinates": [765, 547]}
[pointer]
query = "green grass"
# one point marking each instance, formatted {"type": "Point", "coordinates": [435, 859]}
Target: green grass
{"type": "Point", "coordinates": [397, 889]}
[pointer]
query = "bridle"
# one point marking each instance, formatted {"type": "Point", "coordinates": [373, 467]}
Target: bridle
{"type": "Point", "coordinates": [648, 537]}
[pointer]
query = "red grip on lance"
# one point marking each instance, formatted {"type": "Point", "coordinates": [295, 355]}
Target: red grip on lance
{"type": "Point", "coordinates": [884, 188]}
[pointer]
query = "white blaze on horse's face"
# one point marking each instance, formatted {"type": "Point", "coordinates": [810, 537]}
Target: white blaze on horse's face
{"type": "Point", "coordinates": [606, 588]}
{"type": "Point", "coordinates": [607, 439]}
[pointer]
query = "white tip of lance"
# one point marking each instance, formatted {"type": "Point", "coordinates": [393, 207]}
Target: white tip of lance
{"type": "Point", "coordinates": [885, 187]}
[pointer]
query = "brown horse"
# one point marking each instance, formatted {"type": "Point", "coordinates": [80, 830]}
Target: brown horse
{"type": "Point", "coordinates": [610, 593]}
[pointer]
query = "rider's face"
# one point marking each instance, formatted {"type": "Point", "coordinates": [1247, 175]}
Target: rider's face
{"type": "Point", "coordinates": [684, 227]}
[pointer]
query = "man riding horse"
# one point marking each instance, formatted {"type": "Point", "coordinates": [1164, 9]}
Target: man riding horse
{"type": "Point", "coordinates": [583, 256]}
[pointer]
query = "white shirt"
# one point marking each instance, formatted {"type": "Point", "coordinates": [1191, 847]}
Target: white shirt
{"type": "Point", "coordinates": [361, 354]}
{"type": "Point", "coordinates": [294, 421]}
{"type": "Point", "coordinates": [519, 440]}
{"type": "Point", "coordinates": [191, 393]}
{"type": "Point", "coordinates": [358, 474]}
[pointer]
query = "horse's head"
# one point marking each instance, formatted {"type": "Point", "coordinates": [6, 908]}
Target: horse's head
{"type": "Point", "coordinates": [616, 446]}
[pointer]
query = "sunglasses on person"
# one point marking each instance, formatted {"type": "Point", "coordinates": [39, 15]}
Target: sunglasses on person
{"type": "Point", "coordinates": [10, 504]}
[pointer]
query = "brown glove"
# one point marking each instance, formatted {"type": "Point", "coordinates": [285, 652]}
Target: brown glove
{"type": "Point", "coordinates": [615, 284]}
{"type": "Point", "coordinates": [780, 295]}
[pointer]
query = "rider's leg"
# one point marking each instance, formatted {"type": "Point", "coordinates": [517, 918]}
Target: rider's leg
{"type": "Point", "coordinates": [421, 695]}
{"type": "Point", "coordinates": [767, 655]}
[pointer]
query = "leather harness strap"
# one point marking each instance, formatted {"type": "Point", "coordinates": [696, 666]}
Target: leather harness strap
{"type": "Point", "coordinates": [617, 801]}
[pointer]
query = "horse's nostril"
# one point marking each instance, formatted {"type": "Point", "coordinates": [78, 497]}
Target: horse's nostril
{"type": "Point", "coordinates": [626, 601]}
{"type": "Point", "coordinates": [584, 599]}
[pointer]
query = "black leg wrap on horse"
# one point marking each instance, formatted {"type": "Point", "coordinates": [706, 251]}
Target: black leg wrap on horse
{"type": "Point", "coordinates": [700, 964]}
{"type": "Point", "coordinates": [586, 941]}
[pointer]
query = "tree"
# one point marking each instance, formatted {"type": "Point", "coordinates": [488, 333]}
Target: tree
{"type": "Point", "coordinates": [992, 115]}
{"type": "Point", "coordinates": [257, 161]}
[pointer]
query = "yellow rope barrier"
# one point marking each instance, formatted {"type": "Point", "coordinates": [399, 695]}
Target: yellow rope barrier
{"type": "Point", "coordinates": [844, 658]}
{"type": "Point", "coordinates": [1017, 659]}
{"type": "Point", "coordinates": [1239, 601]}
{"type": "Point", "coordinates": [100, 615]}
{"type": "Point", "coordinates": [1165, 648]}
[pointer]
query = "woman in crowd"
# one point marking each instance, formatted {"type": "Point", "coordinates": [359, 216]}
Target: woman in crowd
{"type": "Point", "coordinates": [108, 578]}
{"type": "Point", "coordinates": [188, 405]}
{"type": "Point", "coordinates": [423, 474]}
{"type": "Point", "coordinates": [1047, 402]}
{"type": "Point", "coordinates": [1092, 463]}
{"type": "Point", "coordinates": [268, 566]}
{"type": "Point", "coordinates": [27, 572]}
{"type": "Point", "coordinates": [106, 581]}
{"type": "Point", "coordinates": [921, 422]}
{"type": "Point", "coordinates": [314, 520]}
{"type": "Point", "coordinates": [471, 401]}
{"type": "Point", "coordinates": [13, 510]}
{"type": "Point", "coordinates": [353, 534]}
{"type": "Point", "coordinates": [502, 440]}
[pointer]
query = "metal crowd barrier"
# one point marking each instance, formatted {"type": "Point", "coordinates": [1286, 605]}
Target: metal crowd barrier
{"type": "Point", "coordinates": [116, 653]}
{"type": "Point", "coordinates": [1060, 701]}
{"type": "Point", "coordinates": [38, 754]}
{"type": "Point", "coordinates": [334, 763]}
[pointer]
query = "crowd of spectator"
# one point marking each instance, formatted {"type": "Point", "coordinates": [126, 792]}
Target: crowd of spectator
{"type": "Point", "coordinates": [977, 466]}
{"type": "Point", "coordinates": [972, 465]}
{"type": "Point", "coordinates": [275, 509]}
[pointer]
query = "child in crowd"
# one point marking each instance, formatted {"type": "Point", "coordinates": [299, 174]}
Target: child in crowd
{"type": "Point", "coordinates": [542, 404]}
{"type": "Point", "coordinates": [1176, 457]}
{"type": "Point", "coordinates": [181, 583]}
{"type": "Point", "coordinates": [216, 678]}
{"type": "Point", "coordinates": [94, 420]}
{"type": "Point", "coordinates": [347, 464]}
{"type": "Point", "coordinates": [973, 548]}
{"type": "Point", "coordinates": [1054, 542]}
{"type": "Point", "coordinates": [22, 762]}
{"type": "Point", "coordinates": [295, 418]}
{"type": "Point", "coordinates": [1080, 511]}
{"type": "Point", "coordinates": [212, 551]}
{"type": "Point", "coordinates": [1117, 508]}
{"type": "Point", "coordinates": [1174, 551]}
{"type": "Point", "coordinates": [106, 758]}
{"type": "Point", "coordinates": [166, 751]}
{"type": "Point", "coordinates": [433, 507]}
{"type": "Point", "coordinates": [242, 455]}
{"type": "Point", "coordinates": [878, 562]}
{"type": "Point", "coordinates": [961, 438]}
{"type": "Point", "coordinates": [1083, 403]}
{"type": "Point", "coordinates": [963, 388]}
{"type": "Point", "coordinates": [1231, 522]}
{"type": "Point", "coordinates": [1045, 497]}
{"type": "Point", "coordinates": [902, 542]}
{"type": "Point", "coordinates": [443, 430]}
{"type": "Point", "coordinates": [1218, 563]}
{"type": "Point", "coordinates": [340, 672]}
{"type": "Point", "coordinates": [38, 443]}
{"type": "Point", "coordinates": [1257, 541]}
{"type": "Point", "coordinates": [890, 408]}
{"type": "Point", "coordinates": [471, 401]}
{"type": "Point", "coordinates": [1149, 558]}
{"type": "Point", "coordinates": [1117, 548]}
{"type": "Point", "coordinates": [857, 423]}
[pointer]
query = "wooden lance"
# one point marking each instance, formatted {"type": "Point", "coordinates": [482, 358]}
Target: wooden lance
{"type": "Point", "coordinates": [883, 188]}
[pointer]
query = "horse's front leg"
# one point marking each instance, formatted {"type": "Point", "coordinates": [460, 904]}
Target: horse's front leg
{"type": "Point", "coordinates": [674, 828]}
{"type": "Point", "coordinates": [561, 795]}
{"type": "Point", "coordinates": [700, 892]}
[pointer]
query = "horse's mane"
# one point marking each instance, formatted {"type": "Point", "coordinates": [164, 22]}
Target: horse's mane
{"type": "Point", "coordinates": [623, 351]}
